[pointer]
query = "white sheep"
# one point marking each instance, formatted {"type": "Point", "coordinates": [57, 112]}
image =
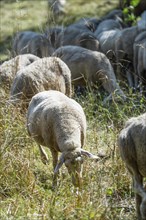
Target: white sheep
{"type": "Point", "coordinates": [132, 145]}
{"type": "Point", "coordinates": [32, 42]}
{"type": "Point", "coordinates": [9, 68]}
{"type": "Point", "coordinates": [59, 123]}
{"type": "Point", "coordinates": [43, 74]}
{"type": "Point", "coordinates": [90, 68]}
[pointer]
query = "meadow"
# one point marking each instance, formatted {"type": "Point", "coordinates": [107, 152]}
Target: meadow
{"type": "Point", "coordinates": [25, 182]}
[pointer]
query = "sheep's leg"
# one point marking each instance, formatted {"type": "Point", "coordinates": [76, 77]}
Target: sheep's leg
{"type": "Point", "coordinates": [140, 193]}
{"type": "Point", "coordinates": [55, 161]}
{"type": "Point", "coordinates": [44, 156]}
{"type": "Point", "coordinates": [119, 58]}
{"type": "Point", "coordinates": [140, 199]}
{"type": "Point", "coordinates": [136, 81]}
{"type": "Point", "coordinates": [129, 78]}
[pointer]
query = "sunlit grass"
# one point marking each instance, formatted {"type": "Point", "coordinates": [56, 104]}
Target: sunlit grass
{"type": "Point", "coordinates": [25, 183]}
{"type": "Point", "coordinates": [36, 16]}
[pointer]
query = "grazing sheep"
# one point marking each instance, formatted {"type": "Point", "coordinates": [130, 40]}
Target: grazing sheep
{"type": "Point", "coordinates": [59, 123]}
{"type": "Point", "coordinates": [107, 43]}
{"type": "Point", "coordinates": [88, 41]}
{"type": "Point", "coordinates": [87, 24]}
{"type": "Point", "coordinates": [116, 14]}
{"type": "Point", "coordinates": [43, 74]}
{"type": "Point", "coordinates": [139, 50]}
{"type": "Point", "coordinates": [32, 42]}
{"type": "Point", "coordinates": [89, 67]}
{"type": "Point", "coordinates": [77, 37]}
{"type": "Point", "coordinates": [124, 51]}
{"type": "Point", "coordinates": [142, 22]}
{"type": "Point", "coordinates": [106, 25]}
{"type": "Point", "coordinates": [132, 145]}
{"type": "Point", "coordinates": [124, 46]}
{"type": "Point", "coordinates": [9, 68]}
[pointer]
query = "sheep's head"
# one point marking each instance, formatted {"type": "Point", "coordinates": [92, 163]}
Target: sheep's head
{"type": "Point", "coordinates": [73, 160]}
{"type": "Point", "coordinates": [88, 41]}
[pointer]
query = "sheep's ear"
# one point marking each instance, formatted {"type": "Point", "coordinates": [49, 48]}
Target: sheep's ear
{"type": "Point", "coordinates": [59, 164]}
{"type": "Point", "coordinates": [88, 154]}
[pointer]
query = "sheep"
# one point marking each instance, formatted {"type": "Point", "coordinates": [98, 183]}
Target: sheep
{"type": "Point", "coordinates": [124, 50]}
{"type": "Point", "coordinates": [77, 37]}
{"type": "Point", "coordinates": [116, 14]}
{"type": "Point", "coordinates": [132, 145]}
{"type": "Point", "coordinates": [141, 65]}
{"type": "Point", "coordinates": [142, 22]}
{"type": "Point", "coordinates": [139, 59]}
{"type": "Point", "coordinates": [32, 42]}
{"type": "Point", "coordinates": [43, 74]}
{"type": "Point", "coordinates": [9, 68]}
{"type": "Point", "coordinates": [59, 123]}
{"type": "Point", "coordinates": [108, 46]}
{"type": "Point", "coordinates": [107, 43]}
{"type": "Point", "coordinates": [89, 66]}
{"type": "Point", "coordinates": [106, 25]}
{"type": "Point", "coordinates": [124, 45]}
{"type": "Point", "coordinates": [87, 24]}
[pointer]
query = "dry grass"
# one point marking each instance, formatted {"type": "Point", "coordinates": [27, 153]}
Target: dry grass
{"type": "Point", "coordinates": [25, 183]}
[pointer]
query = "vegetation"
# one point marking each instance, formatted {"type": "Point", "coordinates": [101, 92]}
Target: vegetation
{"type": "Point", "coordinates": [25, 183]}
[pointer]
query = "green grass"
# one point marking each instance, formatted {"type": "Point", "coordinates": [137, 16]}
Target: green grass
{"type": "Point", "coordinates": [25, 183]}
{"type": "Point", "coordinates": [34, 15]}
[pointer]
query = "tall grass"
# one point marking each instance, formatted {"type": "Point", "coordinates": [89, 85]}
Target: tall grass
{"type": "Point", "coordinates": [25, 183]}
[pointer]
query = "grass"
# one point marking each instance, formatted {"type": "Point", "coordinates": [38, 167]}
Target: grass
{"type": "Point", "coordinates": [25, 183]}
{"type": "Point", "coordinates": [26, 15]}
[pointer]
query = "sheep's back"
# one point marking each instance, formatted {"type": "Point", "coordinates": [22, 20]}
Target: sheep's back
{"type": "Point", "coordinates": [9, 68]}
{"type": "Point", "coordinates": [44, 74]}
{"type": "Point", "coordinates": [83, 62]}
{"type": "Point", "coordinates": [52, 116]}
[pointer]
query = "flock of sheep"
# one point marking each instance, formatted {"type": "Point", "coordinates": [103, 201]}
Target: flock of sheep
{"type": "Point", "coordinates": [90, 51]}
